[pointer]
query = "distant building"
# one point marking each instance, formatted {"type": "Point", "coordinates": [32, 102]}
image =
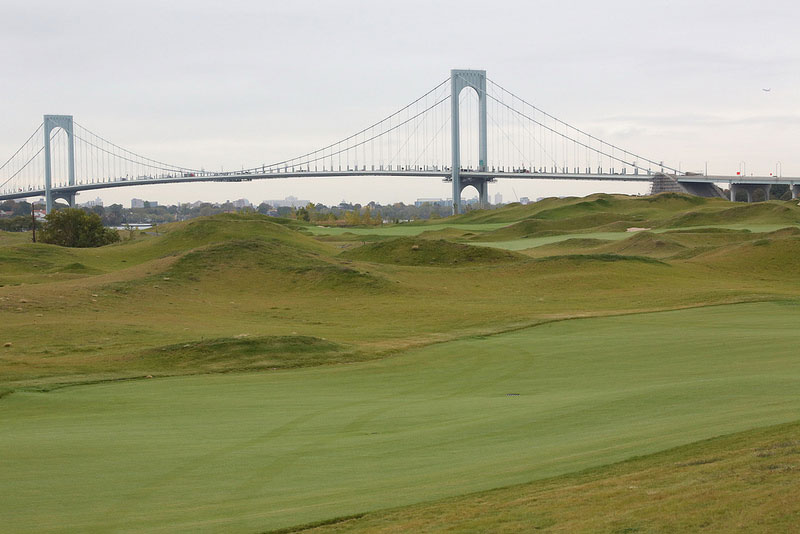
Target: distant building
{"type": "Point", "coordinates": [444, 202]}
{"type": "Point", "coordinates": [524, 200]}
{"type": "Point", "coordinates": [241, 203]}
{"type": "Point", "coordinates": [290, 201]}
{"type": "Point", "coordinates": [139, 203]}
{"type": "Point", "coordinates": [92, 203]}
{"type": "Point", "coordinates": [498, 198]}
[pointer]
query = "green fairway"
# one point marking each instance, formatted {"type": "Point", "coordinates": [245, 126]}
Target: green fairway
{"type": "Point", "coordinates": [250, 452]}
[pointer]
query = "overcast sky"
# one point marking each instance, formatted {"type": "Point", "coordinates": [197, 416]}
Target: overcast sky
{"type": "Point", "coordinates": [232, 83]}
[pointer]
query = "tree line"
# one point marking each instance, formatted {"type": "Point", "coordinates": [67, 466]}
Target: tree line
{"type": "Point", "coordinates": [18, 214]}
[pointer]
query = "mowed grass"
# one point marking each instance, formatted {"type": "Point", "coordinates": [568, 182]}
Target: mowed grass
{"type": "Point", "coordinates": [258, 451]}
{"type": "Point", "coordinates": [713, 486]}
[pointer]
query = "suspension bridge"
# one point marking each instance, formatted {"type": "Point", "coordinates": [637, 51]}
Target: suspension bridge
{"type": "Point", "coordinates": [468, 130]}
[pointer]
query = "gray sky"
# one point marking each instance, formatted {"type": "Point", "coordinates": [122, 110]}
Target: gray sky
{"type": "Point", "coordinates": [212, 83]}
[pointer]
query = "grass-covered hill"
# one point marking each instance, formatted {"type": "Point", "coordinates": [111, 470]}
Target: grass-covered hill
{"type": "Point", "coordinates": [614, 213]}
{"type": "Point", "coordinates": [26, 262]}
{"type": "Point", "coordinates": [411, 251]}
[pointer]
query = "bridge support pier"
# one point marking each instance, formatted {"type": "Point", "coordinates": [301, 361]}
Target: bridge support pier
{"type": "Point", "coordinates": [51, 122]}
{"type": "Point", "coordinates": [795, 189]}
{"type": "Point", "coordinates": [482, 185]}
{"type": "Point", "coordinates": [69, 197]}
{"type": "Point", "coordinates": [749, 189]}
{"type": "Point", "coordinates": [460, 80]}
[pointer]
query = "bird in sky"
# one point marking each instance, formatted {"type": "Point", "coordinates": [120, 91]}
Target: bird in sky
{"type": "Point", "coordinates": [767, 90]}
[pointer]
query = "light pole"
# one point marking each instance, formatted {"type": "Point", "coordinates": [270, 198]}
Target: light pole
{"type": "Point", "coordinates": [778, 169]}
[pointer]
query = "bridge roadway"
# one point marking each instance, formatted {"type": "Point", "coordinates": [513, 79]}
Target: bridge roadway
{"type": "Point", "coordinates": [443, 174]}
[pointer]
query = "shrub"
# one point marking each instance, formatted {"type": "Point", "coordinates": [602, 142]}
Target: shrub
{"type": "Point", "coordinates": [76, 228]}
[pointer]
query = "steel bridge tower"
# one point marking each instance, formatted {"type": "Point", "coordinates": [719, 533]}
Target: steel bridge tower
{"type": "Point", "coordinates": [51, 122]}
{"type": "Point", "coordinates": [460, 80]}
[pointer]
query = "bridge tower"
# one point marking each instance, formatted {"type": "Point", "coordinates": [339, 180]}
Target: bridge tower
{"type": "Point", "coordinates": [64, 122]}
{"type": "Point", "coordinates": [460, 80]}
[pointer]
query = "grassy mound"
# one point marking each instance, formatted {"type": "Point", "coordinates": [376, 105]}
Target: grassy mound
{"type": "Point", "coordinates": [597, 213]}
{"type": "Point", "coordinates": [654, 207]}
{"type": "Point", "coordinates": [575, 244]}
{"type": "Point", "coordinates": [765, 257]}
{"type": "Point", "coordinates": [603, 258]}
{"type": "Point", "coordinates": [758, 213]}
{"type": "Point", "coordinates": [29, 257]}
{"type": "Point", "coordinates": [594, 222]}
{"type": "Point", "coordinates": [242, 353]}
{"type": "Point", "coordinates": [704, 231]}
{"type": "Point", "coordinates": [446, 233]}
{"type": "Point", "coordinates": [789, 231]}
{"type": "Point", "coordinates": [646, 244]}
{"type": "Point", "coordinates": [258, 262]}
{"type": "Point", "coordinates": [37, 263]}
{"type": "Point", "coordinates": [511, 212]}
{"type": "Point", "coordinates": [415, 251]}
{"type": "Point", "coordinates": [232, 226]}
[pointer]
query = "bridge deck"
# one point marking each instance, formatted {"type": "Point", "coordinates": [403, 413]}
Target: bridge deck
{"type": "Point", "coordinates": [441, 174]}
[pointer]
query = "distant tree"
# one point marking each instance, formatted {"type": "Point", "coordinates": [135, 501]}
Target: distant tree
{"type": "Point", "coordinates": [353, 218]}
{"type": "Point", "coordinates": [16, 208]}
{"type": "Point", "coordinates": [20, 223]}
{"type": "Point", "coordinates": [75, 228]}
{"type": "Point", "coordinates": [371, 219]}
{"type": "Point", "coordinates": [113, 215]}
{"type": "Point", "coordinates": [285, 211]}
